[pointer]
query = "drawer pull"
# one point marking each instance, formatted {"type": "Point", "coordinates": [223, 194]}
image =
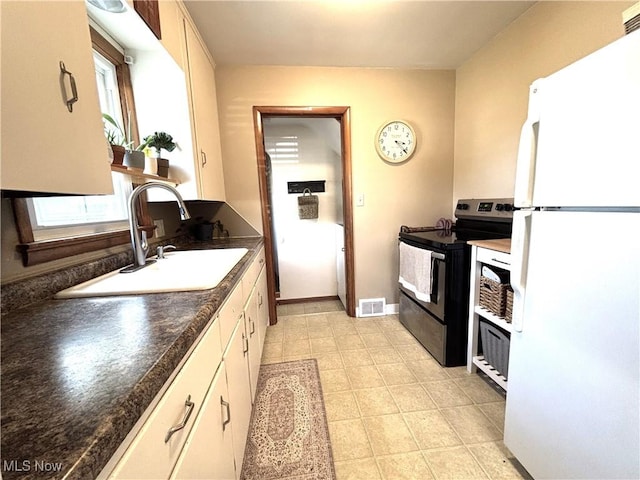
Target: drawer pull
{"type": "Point", "coordinates": [189, 404]}
{"type": "Point", "coordinates": [228, 408]}
{"type": "Point", "coordinates": [74, 89]}
{"type": "Point", "coordinates": [245, 341]}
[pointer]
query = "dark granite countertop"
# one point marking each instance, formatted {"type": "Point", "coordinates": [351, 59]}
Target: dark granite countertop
{"type": "Point", "coordinates": [77, 374]}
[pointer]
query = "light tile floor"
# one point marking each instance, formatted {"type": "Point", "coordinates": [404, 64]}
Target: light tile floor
{"type": "Point", "coordinates": [393, 411]}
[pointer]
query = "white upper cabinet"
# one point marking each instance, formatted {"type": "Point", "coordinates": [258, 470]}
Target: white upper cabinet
{"type": "Point", "coordinates": [171, 24]}
{"type": "Point", "coordinates": [204, 112]}
{"type": "Point", "coordinates": [45, 146]}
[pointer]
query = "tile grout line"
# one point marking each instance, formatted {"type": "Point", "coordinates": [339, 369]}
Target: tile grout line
{"type": "Point", "coordinates": [396, 348]}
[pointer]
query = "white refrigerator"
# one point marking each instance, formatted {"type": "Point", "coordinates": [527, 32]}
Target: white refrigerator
{"type": "Point", "coordinates": [573, 399]}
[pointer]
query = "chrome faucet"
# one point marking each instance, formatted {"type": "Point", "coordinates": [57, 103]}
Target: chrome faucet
{"type": "Point", "coordinates": [138, 236]}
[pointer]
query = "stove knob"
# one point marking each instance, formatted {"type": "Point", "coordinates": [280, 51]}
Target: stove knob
{"type": "Point", "coordinates": [459, 206]}
{"type": "Point", "coordinates": [464, 206]}
{"type": "Point", "coordinates": [508, 207]}
{"type": "Point", "coordinates": [499, 207]}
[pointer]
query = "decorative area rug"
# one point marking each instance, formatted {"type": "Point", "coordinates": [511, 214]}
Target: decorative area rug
{"type": "Point", "coordinates": [288, 434]}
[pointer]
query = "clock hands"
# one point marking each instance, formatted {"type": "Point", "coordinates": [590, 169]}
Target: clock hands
{"type": "Point", "coordinates": [401, 145]}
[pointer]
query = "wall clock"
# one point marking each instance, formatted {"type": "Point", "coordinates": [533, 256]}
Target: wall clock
{"type": "Point", "coordinates": [396, 141]}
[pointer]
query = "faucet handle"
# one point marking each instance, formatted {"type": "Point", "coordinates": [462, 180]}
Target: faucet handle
{"type": "Point", "coordinates": [160, 251]}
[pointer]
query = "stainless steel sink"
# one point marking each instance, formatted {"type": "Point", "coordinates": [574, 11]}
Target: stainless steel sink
{"type": "Point", "coordinates": [179, 271]}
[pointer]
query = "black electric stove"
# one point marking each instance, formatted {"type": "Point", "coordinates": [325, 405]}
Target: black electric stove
{"type": "Point", "coordinates": [440, 324]}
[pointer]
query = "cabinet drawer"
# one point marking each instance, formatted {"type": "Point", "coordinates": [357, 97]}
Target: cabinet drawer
{"type": "Point", "coordinates": [493, 257]}
{"type": "Point", "coordinates": [251, 276]}
{"type": "Point", "coordinates": [229, 315]}
{"type": "Point", "coordinates": [208, 453]}
{"type": "Point", "coordinates": [151, 457]}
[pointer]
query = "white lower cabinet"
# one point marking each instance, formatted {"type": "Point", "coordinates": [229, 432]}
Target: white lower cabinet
{"type": "Point", "coordinates": [154, 451]}
{"type": "Point", "coordinates": [208, 453]}
{"type": "Point", "coordinates": [263, 308]}
{"type": "Point", "coordinates": [251, 327]}
{"type": "Point", "coordinates": [235, 358]}
{"type": "Point", "coordinates": [211, 395]}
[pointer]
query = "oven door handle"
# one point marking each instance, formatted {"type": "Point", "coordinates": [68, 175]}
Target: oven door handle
{"type": "Point", "coordinates": [434, 254]}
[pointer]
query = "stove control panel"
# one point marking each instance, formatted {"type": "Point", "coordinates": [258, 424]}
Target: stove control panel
{"type": "Point", "coordinates": [485, 208]}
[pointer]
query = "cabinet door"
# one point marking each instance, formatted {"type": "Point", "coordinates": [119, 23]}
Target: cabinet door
{"type": "Point", "coordinates": [171, 25]}
{"type": "Point", "coordinates": [208, 453]}
{"type": "Point", "coordinates": [230, 314]}
{"type": "Point", "coordinates": [251, 326]}
{"type": "Point", "coordinates": [46, 148]}
{"type": "Point", "coordinates": [263, 307]}
{"type": "Point", "coordinates": [204, 110]}
{"type": "Point", "coordinates": [152, 455]}
{"type": "Point", "coordinates": [235, 359]}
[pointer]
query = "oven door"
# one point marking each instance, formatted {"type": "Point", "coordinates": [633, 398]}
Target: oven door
{"type": "Point", "coordinates": [436, 306]}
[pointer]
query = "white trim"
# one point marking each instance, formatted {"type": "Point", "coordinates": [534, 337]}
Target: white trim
{"type": "Point", "coordinates": [392, 309]}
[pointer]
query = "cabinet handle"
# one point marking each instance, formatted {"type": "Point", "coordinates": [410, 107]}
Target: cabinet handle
{"type": "Point", "coordinates": [259, 299]}
{"type": "Point", "coordinates": [74, 89]}
{"type": "Point", "coordinates": [228, 408]}
{"type": "Point", "coordinates": [500, 261]}
{"type": "Point", "coordinates": [253, 327]}
{"type": "Point", "coordinates": [189, 404]}
{"type": "Point", "coordinates": [245, 342]}
{"type": "Point", "coordinates": [203, 157]}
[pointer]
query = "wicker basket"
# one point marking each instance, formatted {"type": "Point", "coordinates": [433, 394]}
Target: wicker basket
{"type": "Point", "coordinates": [493, 296]}
{"type": "Point", "coordinates": [307, 205]}
{"type": "Point", "coordinates": [508, 308]}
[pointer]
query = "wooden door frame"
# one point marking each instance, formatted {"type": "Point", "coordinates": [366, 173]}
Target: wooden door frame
{"type": "Point", "coordinates": [343, 115]}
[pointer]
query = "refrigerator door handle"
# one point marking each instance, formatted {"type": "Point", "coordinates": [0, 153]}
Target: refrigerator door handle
{"type": "Point", "coordinates": [519, 258]}
{"type": "Point", "coordinates": [526, 163]}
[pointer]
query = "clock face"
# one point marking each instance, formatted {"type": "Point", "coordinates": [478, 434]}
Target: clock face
{"type": "Point", "coordinates": [396, 141]}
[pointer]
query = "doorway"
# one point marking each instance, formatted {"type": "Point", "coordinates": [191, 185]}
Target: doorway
{"type": "Point", "coordinates": [344, 253]}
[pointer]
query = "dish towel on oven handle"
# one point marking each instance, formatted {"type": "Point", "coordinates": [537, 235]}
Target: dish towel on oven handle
{"type": "Point", "coordinates": [415, 271]}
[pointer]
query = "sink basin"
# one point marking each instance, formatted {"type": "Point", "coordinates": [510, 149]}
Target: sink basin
{"type": "Point", "coordinates": [179, 271]}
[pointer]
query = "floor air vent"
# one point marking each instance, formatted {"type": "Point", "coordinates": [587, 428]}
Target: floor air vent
{"type": "Point", "coordinates": [372, 307]}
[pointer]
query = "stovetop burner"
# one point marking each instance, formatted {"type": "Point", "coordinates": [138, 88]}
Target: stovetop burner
{"type": "Point", "coordinates": [478, 219]}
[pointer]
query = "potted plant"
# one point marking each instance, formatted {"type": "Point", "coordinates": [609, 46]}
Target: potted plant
{"type": "Point", "coordinates": [132, 158]}
{"type": "Point", "coordinates": [160, 141]}
{"type": "Point", "coordinates": [115, 137]}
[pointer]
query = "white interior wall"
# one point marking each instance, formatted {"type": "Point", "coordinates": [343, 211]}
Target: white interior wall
{"type": "Point", "coordinates": [306, 248]}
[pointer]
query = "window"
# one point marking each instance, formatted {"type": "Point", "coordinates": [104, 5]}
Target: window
{"type": "Point", "coordinates": [56, 227]}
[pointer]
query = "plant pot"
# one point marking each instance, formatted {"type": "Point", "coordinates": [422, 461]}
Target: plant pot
{"type": "Point", "coordinates": [150, 166]}
{"type": "Point", "coordinates": [134, 159]}
{"type": "Point", "coordinates": [163, 167]}
{"type": "Point", "coordinates": [118, 154]}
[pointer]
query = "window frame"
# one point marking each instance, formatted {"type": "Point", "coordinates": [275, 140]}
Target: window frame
{"type": "Point", "coordinates": [39, 251]}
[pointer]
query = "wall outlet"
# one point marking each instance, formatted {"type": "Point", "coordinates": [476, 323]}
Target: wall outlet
{"type": "Point", "coordinates": [360, 200]}
{"type": "Point", "coordinates": [159, 228]}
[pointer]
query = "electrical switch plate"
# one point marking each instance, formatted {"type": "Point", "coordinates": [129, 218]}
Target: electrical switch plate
{"type": "Point", "coordinates": [159, 228]}
{"type": "Point", "coordinates": [360, 200]}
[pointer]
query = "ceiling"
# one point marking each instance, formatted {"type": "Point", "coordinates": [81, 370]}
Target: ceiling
{"type": "Point", "coordinates": [350, 33]}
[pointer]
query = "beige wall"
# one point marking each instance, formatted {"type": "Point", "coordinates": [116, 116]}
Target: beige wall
{"type": "Point", "coordinates": [415, 193]}
{"type": "Point", "coordinates": [492, 87]}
